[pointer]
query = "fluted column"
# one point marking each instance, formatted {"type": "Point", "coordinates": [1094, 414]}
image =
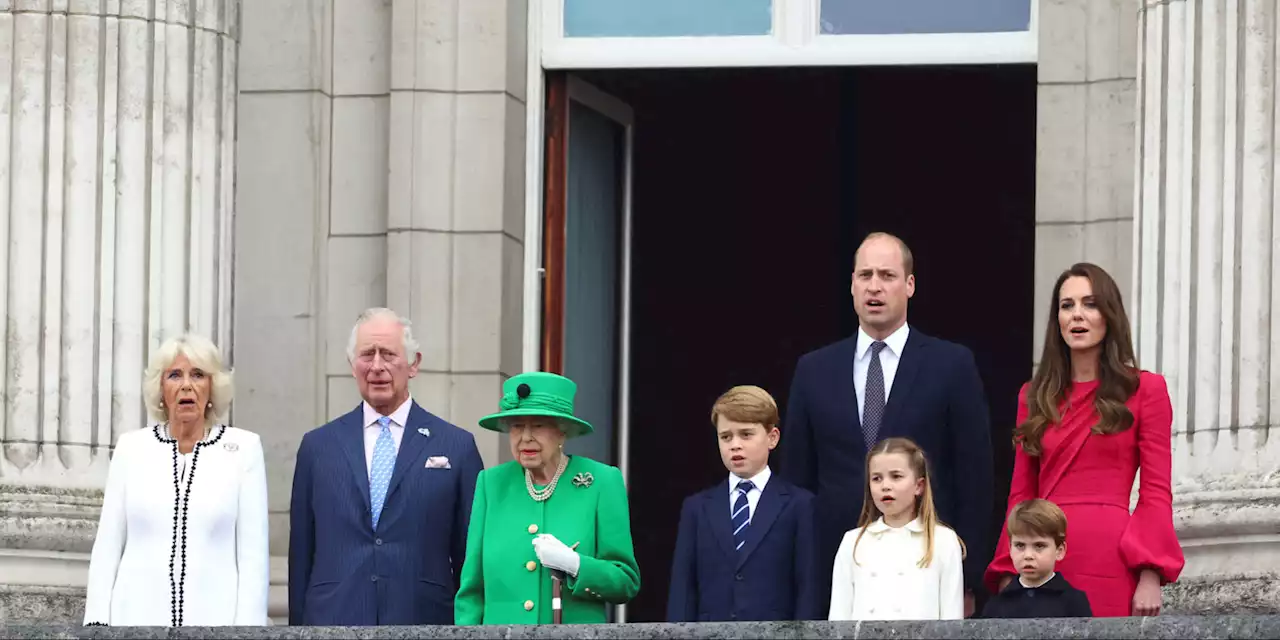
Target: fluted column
{"type": "Point", "coordinates": [1207, 269]}
{"type": "Point", "coordinates": [116, 154]}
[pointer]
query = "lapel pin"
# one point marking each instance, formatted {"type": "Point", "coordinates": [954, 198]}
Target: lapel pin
{"type": "Point", "coordinates": [230, 446]}
{"type": "Point", "coordinates": [425, 431]}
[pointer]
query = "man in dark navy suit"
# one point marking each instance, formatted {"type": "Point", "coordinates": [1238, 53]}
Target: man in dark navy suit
{"type": "Point", "coordinates": [890, 379]}
{"type": "Point", "coordinates": [745, 549]}
{"type": "Point", "coordinates": [381, 497]}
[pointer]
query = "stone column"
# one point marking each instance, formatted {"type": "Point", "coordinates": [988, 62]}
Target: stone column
{"type": "Point", "coordinates": [116, 130]}
{"type": "Point", "coordinates": [1207, 269]}
{"type": "Point", "coordinates": [1084, 142]}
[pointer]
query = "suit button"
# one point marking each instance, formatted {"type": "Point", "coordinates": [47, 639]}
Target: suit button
{"type": "Point", "coordinates": [528, 605]}
{"type": "Point", "coordinates": [373, 578]}
{"type": "Point", "coordinates": [533, 528]}
{"type": "Point", "coordinates": [378, 542]}
{"type": "Point", "coordinates": [873, 574]}
{"type": "Point", "coordinates": [531, 565]}
{"type": "Point", "coordinates": [738, 577]}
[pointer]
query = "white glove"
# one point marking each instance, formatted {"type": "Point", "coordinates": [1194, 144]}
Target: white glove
{"type": "Point", "coordinates": [555, 555]}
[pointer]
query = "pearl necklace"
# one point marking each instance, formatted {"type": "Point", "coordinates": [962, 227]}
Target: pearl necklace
{"type": "Point", "coordinates": [541, 495]}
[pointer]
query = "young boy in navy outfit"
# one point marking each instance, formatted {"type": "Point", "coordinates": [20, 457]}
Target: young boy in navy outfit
{"type": "Point", "coordinates": [1037, 542]}
{"type": "Point", "coordinates": [745, 549]}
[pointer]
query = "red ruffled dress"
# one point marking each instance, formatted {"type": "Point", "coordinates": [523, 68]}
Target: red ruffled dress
{"type": "Point", "coordinates": [1090, 477]}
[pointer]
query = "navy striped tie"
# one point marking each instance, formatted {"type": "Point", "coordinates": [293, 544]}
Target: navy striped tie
{"type": "Point", "coordinates": [741, 514]}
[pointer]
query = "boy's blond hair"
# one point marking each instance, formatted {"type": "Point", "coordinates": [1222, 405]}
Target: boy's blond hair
{"type": "Point", "coordinates": [1038, 518]}
{"type": "Point", "coordinates": [748, 404]}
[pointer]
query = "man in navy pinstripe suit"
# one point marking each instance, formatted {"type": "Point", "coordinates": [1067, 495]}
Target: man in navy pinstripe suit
{"type": "Point", "coordinates": [381, 497]}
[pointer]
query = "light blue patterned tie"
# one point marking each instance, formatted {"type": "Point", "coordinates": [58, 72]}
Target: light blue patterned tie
{"type": "Point", "coordinates": [741, 515]}
{"type": "Point", "coordinates": [384, 462]}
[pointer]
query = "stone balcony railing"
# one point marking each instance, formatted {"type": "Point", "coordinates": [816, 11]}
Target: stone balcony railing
{"type": "Point", "coordinates": [1243, 627]}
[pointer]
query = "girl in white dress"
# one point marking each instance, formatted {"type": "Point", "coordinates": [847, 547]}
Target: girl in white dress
{"type": "Point", "coordinates": [901, 563]}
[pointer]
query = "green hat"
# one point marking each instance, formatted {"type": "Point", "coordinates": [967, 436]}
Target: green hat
{"type": "Point", "coordinates": [538, 394]}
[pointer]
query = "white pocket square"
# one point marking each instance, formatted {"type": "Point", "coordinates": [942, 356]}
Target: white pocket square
{"type": "Point", "coordinates": [438, 462]}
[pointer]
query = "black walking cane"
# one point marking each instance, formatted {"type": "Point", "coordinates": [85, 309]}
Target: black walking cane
{"type": "Point", "coordinates": [557, 577]}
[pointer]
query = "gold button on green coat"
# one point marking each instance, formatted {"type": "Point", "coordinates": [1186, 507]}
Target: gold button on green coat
{"type": "Point", "coordinates": [530, 565]}
{"type": "Point", "coordinates": [533, 528]}
{"type": "Point", "coordinates": [594, 515]}
{"type": "Point", "coordinates": [528, 605]}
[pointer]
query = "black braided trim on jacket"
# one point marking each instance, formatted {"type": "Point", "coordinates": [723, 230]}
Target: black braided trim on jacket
{"type": "Point", "coordinates": [181, 499]}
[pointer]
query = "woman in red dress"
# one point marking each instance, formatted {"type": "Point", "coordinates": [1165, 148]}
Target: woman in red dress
{"type": "Point", "coordinates": [1087, 422]}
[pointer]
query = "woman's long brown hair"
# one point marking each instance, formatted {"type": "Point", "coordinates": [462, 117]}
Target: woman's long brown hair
{"type": "Point", "coordinates": [925, 511]}
{"type": "Point", "coordinates": [1117, 367]}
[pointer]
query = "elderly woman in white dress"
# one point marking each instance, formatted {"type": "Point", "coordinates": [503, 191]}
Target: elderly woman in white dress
{"type": "Point", "coordinates": [182, 539]}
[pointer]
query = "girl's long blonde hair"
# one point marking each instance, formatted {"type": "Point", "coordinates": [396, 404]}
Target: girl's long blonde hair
{"type": "Point", "coordinates": [924, 509]}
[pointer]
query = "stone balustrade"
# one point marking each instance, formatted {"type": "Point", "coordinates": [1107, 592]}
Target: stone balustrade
{"type": "Point", "coordinates": [1242, 627]}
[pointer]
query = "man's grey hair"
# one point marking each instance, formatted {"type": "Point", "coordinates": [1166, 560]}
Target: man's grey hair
{"type": "Point", "coordinates": [375, 313]}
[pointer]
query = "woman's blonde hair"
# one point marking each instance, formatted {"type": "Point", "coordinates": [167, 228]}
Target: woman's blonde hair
{"type": "Point", "coordinates": [203, 355]}
{"type": "Point", "coordinates": [924, 511]}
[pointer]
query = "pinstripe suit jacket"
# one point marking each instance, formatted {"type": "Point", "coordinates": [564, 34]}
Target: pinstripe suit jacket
{"type": "Point", "coordinates": [341, 571]}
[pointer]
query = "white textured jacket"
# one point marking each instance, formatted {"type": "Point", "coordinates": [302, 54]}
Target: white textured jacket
{"type": "Point", "coordinates": [182, 541]}
{"type": "Point", "coordinates": [887, 584]}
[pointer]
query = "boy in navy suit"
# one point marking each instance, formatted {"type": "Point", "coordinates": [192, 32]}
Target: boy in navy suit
{"type": "Point", "coordinates": [1037, 542]}
{"type": "Point", "coordinates": [745, 550]}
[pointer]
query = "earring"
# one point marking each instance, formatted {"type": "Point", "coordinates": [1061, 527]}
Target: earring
{"type": "Point", "coordinates": [209, 405]}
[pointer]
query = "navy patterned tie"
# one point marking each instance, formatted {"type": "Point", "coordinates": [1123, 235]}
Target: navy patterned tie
{"type": "Point", "coordinates": [873, 404]}
{"type": "Point", "coordinates": [741, 514]}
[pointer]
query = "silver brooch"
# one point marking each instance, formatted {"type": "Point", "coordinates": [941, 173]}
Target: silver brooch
{"type": "Point", "coordinates": [583, 480]}
{"type": "Point", "coordinates": [425, 431]}
{"type": "Point", "coordinates": [231, 446]}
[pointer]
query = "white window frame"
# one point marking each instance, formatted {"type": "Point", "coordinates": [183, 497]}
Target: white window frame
{"type": "Point", "coordinates": [795, 41]}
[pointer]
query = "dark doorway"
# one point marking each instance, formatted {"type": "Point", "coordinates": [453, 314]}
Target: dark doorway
{"type": "Point", "coordinates": [752, 189]}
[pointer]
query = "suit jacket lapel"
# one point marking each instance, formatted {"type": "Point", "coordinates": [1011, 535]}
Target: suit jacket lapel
{"type": "Point", "coordinates": [773, 500]}
{"type": "Point", "coordinates": [910, 362]}
{"type": "Point", "coordinates": [412, 445]}
{"type": "Point", "coordinates": [351, 436]}
{"type": "Point", "coordinates": [844, 378]}
{"type": "Point", "coordinates": [715, 508]}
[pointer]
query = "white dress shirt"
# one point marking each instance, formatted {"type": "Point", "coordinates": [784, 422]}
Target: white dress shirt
{"type": "Point", "coordinates": [758, 481]}
{"type": "Point", "coordinates": [889, 357]}
{"type": "Point", "coordinates": [887, 584]}
{"type": "Point", "coordinates": [226, 576]}
{"type": "Point", "coordinates": [399, 418]}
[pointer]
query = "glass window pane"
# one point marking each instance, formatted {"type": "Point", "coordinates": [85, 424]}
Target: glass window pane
{"type": "Point", "coordinates": [641, 18]}
{"type": "Point", "coordinates": [924, 16]}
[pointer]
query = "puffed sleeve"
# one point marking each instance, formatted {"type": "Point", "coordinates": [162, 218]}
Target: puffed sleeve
{"type": "Point", "coordinates": [1025, 485]}
{"type": "Point", "coordinates": [468, 604]}
{"type": "Point", "coordinates": [842, 587]}
{"type": "Point", "coordinates": [1149, 540]}
{"type": "Point", "coordinates": [108, 543]}
{"type": "Point", "coordinates": [950, 561]}
{"type": "Point", "coordinates": [612, 574]}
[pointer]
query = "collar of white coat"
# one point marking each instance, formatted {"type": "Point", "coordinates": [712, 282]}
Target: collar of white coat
{"type": "Point", "coordinates": [879, 527]}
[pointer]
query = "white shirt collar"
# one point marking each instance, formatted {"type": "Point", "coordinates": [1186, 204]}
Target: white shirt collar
{"type": "Point", "coordinates": [759, 480]}
{"type": "Point", "coordinates": [896, 342]}
{"type": "Point", "coordinates": [399, 417]}
{"type": "Point", "coordinates": [879, 526]}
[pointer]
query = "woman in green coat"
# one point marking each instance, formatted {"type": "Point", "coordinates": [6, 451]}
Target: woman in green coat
{"type": "Point", "coordinates": [545, 511]}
